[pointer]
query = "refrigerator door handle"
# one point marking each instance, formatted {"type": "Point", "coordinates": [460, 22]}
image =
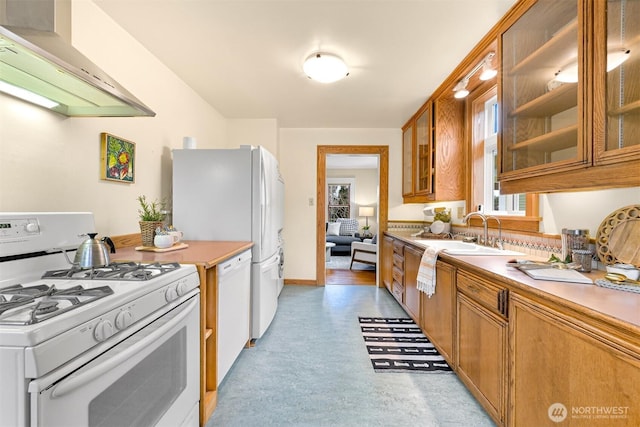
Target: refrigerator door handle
{"type": "Point", "coordinates": [263, 204]}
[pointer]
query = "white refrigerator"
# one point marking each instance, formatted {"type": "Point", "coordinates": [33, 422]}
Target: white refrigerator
{"type": "Point", "coordinates": [235, 194]}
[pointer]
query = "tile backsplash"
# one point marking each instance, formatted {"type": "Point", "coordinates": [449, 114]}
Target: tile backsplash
{"type": "Point", "coordinates": [542, 246]}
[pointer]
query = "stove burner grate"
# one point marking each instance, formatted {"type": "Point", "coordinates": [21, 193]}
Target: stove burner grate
{"type": "Point", "coordinates": [117, 271]}
{"type": "Point", "coordinates": [44, 307]}
{"type": "Point", "coordinates": [29, 305]}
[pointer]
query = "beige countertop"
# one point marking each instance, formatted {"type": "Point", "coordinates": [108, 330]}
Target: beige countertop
{"type": "Point", "coordinates": [206, 253]}
{"type": "Point", "coordinates": [616, 307]}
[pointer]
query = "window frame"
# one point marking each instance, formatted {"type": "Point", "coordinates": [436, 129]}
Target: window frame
{"type": "Point", "coordinates": [341, 181]}
{"type": "Point", "coordinates": [475, 105]}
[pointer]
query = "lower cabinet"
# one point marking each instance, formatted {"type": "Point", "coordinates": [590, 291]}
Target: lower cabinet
{"type": "Point", "coordinates": [397, 287]}
{"type": "Point", "coordinates": [437, 313]}
{"type": "Point", "coordinates": [567, 372]}
{"type": "Point", "coordinates": [529, 361]}
{"type": "Point", "coordinates": [481, 333]}
{"type": "Point", "coordinates": [412, 258]}
{"type": "Point", "coordinates": [386, 260]}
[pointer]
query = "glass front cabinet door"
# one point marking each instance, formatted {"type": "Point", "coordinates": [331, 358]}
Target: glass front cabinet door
{"type": "Point", "coordinates": [423, 155]}
{"type": "Point", "coordinates": [407, 160]}
{"type": "Point", "coordinates": [569, 95]}
{"type": "Point", "coordinates": [542, 79]}
{"type": "Point", "coordinates": [616, 80]}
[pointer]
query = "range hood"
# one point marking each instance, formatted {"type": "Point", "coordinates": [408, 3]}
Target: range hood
{"type": "Point", "coordinates": [39, 65]}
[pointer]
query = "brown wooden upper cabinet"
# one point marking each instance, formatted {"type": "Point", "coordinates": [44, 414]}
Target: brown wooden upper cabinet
{"type": "Point", "coordinates": [433, 152]}
{"type": "Point", "coordinates": [570, 109]}
{"type": "Point", "coordinates": [418, 170]}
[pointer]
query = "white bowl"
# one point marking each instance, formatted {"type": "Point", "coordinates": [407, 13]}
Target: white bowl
{"type": "Point", "coordinates": [627, 269]}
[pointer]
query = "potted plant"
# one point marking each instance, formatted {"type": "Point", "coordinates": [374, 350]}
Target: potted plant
{"type": "Point", "coordinates": [151, 217]}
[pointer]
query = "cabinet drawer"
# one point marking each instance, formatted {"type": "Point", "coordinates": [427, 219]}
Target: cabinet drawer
{"type": "Point", "coordinates": [493, 297]}
{"type": "Point", "coordinates": [398, 247]}
{"type": "Point", "coordinates": [397, 275]}
{"type": "Point", "coordinates": [398, 291]}
{"type": "Point", "coordinates": [398, 261]}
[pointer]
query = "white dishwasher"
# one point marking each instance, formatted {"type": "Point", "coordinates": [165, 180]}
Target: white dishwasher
{"type": "Point", "coordinates": [234, 309]}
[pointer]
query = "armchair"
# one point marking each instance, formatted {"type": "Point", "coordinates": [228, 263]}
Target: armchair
{"type": "Point", "coordinates": [365, 252]}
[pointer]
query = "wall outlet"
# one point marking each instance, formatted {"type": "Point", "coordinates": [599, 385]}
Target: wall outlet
{"type": "Point", "coordinates": [310, 201]}
{"type": "Point", "coordinates": [460, 213]}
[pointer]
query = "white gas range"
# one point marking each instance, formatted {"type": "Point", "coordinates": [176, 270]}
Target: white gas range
{"type": "Point", "coordinates": [118, 344]}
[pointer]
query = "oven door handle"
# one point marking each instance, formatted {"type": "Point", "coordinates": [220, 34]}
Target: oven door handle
{"type": "Point", "coordinates": [69, 385]}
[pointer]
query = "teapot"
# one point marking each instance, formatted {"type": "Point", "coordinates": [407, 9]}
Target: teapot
{"type": "Point", "coordinates": [92, 253]}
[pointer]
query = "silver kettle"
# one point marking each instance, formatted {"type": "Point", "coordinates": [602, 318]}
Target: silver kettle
{"type": "Point", "coordinates": [93, 253]}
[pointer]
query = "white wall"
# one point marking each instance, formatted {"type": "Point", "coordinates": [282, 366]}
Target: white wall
{"type": "Point", "coordinates": [262, 132]}
{"type": "Point", "coordinates": [51, 162]}
{"type": "Point", "coordinates": [298, 151]}
{"type": "Point", "coordinates": [583, 210]}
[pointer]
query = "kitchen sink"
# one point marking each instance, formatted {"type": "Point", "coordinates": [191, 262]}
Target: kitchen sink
{"type": "Point", "coordinates": [456, 247]}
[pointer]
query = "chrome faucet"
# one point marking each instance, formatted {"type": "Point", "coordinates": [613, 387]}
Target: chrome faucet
{"type": "Point", "coordinates": [498, 242]}
{"type": "Point", "coordinates": [484, 224]}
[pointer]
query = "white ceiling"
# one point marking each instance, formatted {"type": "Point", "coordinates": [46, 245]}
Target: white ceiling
{"type": "Point", "coordinates": [245, 57]}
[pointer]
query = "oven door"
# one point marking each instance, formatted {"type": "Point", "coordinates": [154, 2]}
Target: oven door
{"type": "Point", "coordinates": [150, 378]}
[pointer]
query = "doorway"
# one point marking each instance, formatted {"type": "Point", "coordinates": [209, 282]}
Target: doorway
{"type": "Point", "coordinates": [383, 176]}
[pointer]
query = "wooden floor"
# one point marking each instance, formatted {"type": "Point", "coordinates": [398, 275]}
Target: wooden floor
{"type": "Point", "coordinates": [350, 277]}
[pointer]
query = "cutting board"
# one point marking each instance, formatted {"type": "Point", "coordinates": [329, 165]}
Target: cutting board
{"type": "Point", "coordinates": [618, 238]}
{"type": "Point", "coordinates": [624, 242]}
{"type": "Point", "coordinates": [175, 247]}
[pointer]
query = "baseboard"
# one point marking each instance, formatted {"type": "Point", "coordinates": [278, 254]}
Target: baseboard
{"type": "Point", "coordinates": [302, 282]}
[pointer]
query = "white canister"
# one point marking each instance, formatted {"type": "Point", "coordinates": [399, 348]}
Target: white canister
{"type": "Point", "coordinates": [189, 143]}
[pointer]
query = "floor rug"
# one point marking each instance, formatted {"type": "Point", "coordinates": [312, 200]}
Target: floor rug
{"type": "Point", "coordinates": [398, 345]}
{"type": "Point", "coordinates": [337, 262]}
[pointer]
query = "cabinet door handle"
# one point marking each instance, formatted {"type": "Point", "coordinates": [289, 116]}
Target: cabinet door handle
{"type": "Point", "coordinates": [503, 302]}
{"type": "Point", "coordinates": [473, 289]}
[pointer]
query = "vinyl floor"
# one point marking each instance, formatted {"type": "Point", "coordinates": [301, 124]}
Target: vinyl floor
{"type": "Point", "coordinates": [311, 368]}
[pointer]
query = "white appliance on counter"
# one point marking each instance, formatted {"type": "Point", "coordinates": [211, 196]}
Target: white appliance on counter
{"type": "Point", "coordinates": [235, 194]}
{"type": "Point", "coordinates": [113, 345]}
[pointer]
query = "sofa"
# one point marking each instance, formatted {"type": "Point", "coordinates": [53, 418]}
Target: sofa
{"type": "Point", "coordinates": [343, 238]}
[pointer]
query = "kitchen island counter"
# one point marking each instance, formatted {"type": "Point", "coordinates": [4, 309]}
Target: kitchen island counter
{"type": "Point", "coordinates": [206, 255]}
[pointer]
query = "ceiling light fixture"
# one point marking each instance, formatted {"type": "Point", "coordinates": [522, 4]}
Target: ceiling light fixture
{"type": "Point", "coordinates": [488, 72]}
{"type": "Point", "coordinates": [325, 67]}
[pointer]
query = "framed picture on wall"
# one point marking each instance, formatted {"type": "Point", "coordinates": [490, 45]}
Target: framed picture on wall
{"type": "Point", "coordinates": [117, 159]}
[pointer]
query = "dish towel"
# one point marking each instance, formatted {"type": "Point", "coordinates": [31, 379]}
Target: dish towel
{"type": "Point", "coordinates": [427, 271]}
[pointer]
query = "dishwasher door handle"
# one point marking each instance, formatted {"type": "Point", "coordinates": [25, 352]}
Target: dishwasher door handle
{"type": "Point", "coordinates": [234, 264]}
